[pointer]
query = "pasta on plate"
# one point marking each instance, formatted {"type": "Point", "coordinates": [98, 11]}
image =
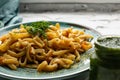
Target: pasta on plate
{"type": "Point", "coordinates": [61, 49]}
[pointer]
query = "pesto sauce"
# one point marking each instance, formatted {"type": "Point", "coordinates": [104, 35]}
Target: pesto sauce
{"type": "Point", "coordinates": [111, 42]}
{"type": "Point", "coordinates": [108, 48]}
{"type": "Point", "coordinates": [105, 61]}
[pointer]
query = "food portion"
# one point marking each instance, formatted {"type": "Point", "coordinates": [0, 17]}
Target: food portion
{"type": "Point", "coordinates": [43, 46]}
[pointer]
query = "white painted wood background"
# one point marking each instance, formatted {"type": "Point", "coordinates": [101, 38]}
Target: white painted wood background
{"type": "Point", "coordinates": [105, 23]}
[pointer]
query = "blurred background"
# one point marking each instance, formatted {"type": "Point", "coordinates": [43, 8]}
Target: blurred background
{"type": "Point", "coordinates": [69, 5]}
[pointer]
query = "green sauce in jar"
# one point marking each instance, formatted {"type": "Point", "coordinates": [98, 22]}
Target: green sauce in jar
{"type": "Point", "coordinates": [105, 62]}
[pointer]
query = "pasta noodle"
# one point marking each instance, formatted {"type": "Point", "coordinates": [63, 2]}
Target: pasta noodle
{"type": "Point", "coordinates": [61, 49]}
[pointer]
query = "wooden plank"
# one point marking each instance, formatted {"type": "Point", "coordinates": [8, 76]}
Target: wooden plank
{"type": "Point", "coordinates": [69, 7]}
{"type": "Point", "coordinates": [70, 1]}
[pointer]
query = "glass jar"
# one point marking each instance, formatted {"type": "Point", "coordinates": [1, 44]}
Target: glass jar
{"type": "Point", "coordinates": [105, 62]}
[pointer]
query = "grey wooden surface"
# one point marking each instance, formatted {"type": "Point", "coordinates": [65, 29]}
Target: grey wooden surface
{"type": "Point", "coordinates": [69, 7]}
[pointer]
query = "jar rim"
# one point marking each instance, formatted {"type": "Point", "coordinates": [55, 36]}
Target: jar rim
{"type": "Point", "coordinates": [97, 43]}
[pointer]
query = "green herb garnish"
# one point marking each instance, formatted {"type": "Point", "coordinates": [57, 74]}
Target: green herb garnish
{"type": "Point", "coordinates": [38, 28]}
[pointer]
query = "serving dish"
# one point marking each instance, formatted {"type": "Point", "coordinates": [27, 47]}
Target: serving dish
{"type": "Point", "coordinates": [77, 68]}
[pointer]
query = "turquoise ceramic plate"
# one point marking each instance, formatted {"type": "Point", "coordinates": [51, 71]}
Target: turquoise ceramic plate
{"type": "Point", "coordinates": [26, 73]}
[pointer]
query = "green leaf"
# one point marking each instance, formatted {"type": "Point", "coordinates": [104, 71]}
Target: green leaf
{"type": "Point", "coordinates": [38, 28]}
